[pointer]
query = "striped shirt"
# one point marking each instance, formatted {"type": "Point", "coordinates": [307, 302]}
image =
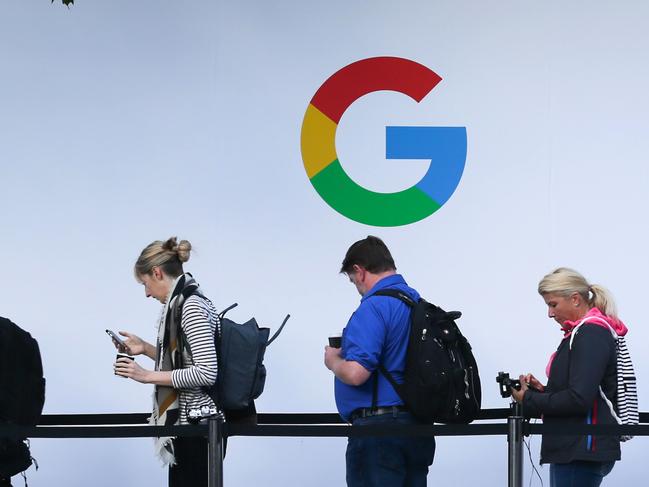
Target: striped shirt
{"type": "Point", "coordinates": [199, 323]}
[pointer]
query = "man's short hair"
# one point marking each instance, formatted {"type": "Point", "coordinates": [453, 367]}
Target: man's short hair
{"type": "Point", "coordinates": [371, 254]}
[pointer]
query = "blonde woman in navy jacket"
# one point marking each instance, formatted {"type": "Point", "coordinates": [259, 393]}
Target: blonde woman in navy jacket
{"type": "Point", "coordinates": [582, 380]}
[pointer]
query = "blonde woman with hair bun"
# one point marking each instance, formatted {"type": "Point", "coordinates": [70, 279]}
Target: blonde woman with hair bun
{"type": "Point", "coordinates": [180, 373]}
{"type": "Point", "coordinates": [582, 380]}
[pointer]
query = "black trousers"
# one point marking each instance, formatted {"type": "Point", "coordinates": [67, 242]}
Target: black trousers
{"type": "Point", "coordinates": [191, 463]}
{"type": "Point", "coordinates": [191, 453]}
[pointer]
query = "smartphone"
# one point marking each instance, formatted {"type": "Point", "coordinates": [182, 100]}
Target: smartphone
{"type": "Point", "coordinates": [117, 339]}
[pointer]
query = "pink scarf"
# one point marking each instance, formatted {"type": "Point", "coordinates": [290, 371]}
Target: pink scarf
{"type": "Point", "coordinates": [600, 320]}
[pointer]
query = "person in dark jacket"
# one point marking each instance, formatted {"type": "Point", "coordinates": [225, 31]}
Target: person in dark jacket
{"type": "Point", "coordinates": [582, 380]}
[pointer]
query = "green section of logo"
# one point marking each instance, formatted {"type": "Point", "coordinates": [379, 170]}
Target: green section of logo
{"type": "Point", "coordinates": [362, 205]}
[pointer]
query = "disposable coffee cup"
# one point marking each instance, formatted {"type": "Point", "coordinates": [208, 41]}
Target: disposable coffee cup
{"type": "Point", "coordinates": [336, 340]}
{"type": "Point", "coordinates": [123, 355]}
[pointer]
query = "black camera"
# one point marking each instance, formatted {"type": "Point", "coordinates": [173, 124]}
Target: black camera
{"type": "Point", "coordinates": [506, 384]}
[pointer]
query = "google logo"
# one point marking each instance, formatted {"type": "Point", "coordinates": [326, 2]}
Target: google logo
{"type": "Point", "coordinates": [444, 146]}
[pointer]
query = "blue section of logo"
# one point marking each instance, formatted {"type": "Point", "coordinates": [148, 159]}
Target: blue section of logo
{"type": "Point", "coordinates": [445, 147]}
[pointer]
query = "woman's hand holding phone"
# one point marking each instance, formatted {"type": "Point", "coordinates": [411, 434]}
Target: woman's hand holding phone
{"type": "Point", "coordinates": [133, 343]}
{"type": "Point", "coordinates": [120, 345]}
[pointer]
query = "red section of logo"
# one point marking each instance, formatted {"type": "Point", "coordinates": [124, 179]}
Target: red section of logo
{"type": "Point", "coordinates": [369, 75]}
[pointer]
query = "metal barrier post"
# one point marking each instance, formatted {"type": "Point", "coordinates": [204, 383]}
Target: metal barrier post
{"type": "Point", "coordinates": [215, 452]}
{"type": "Point", "coordinates": [515, 445]}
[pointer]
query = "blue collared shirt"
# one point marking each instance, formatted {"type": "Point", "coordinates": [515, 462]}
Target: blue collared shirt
{"type": "Point", "coordinates": [377, 332]}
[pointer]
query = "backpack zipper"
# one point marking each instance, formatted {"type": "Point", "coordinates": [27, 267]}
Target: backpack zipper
{"type": "Point", "coordinates": [466, 384]}
{"type": "Point", "coordinates": [473, 388]}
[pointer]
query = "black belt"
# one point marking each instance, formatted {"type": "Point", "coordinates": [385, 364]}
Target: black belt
{"type": "Point", "coordinates": [367, 412]}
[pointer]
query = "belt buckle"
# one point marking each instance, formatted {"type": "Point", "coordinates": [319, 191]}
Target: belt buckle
{"type": "Point", "coordinates": [369, 412]}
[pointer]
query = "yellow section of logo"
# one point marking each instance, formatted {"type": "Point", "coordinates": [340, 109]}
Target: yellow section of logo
{"type": "Point", "coordinates": [318, 141]}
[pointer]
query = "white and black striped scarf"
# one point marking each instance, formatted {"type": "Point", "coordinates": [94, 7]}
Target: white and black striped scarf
{"type": "Point", "coordinates": [165, 398]}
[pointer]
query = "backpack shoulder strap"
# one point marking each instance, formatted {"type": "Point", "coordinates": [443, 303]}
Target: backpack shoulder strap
{"type": "Point", "coordinates": [617, 338]}
{"type": "Point", "coordinates": [395, 293]}
{"type": "Point", "coordinates": [183, 344]}
{"type": "Point", "coordinates": [588, 320]}
{"type": "Point", "coordinates": [402, 296]}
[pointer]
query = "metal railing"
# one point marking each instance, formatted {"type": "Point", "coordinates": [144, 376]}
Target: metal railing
{"type": "Point", "coordinates": [134, 425]}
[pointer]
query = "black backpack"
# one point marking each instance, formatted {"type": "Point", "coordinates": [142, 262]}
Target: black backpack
{"type": "Point", "coordinates": [441, 382]}
{"type": "Point", "coordinates": [22, 393]}
{"type": "Point", "coordinates": [240, 351]}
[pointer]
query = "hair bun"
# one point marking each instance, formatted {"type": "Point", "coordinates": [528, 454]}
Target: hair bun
{"type": "Point", "coordinates": [183, 250]}
{"type": "Point", "coordinates": [170, 244]}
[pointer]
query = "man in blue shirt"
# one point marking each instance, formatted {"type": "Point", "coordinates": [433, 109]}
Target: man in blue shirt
{"type": "Point", "coordinates": [377, 333]}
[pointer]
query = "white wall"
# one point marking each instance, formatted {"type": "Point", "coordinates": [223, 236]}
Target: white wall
{"type": "Point", "coordinates": [122, 123]}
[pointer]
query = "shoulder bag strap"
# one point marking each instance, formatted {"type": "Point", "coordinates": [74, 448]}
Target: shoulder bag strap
{"type": "Point", "coordinates": [402, 296]}
{"type": "Point", "coordinates": [588, 319]}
